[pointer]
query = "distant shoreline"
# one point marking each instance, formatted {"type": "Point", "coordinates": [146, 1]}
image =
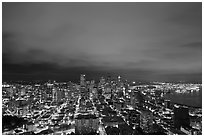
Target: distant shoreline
{"type": "Point", "coordinates": [185, 105]}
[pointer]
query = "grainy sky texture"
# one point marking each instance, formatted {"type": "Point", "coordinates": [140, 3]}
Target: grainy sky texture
{"type": "Point", "coordinates": [140, 41]}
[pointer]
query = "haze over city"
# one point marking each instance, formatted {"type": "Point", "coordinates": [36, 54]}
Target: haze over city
{"type": "Point", "coordinates": [140, 41]}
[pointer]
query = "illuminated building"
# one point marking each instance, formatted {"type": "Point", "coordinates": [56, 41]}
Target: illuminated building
{"type": "Point", "coordinates": [22, 92]}
{"type": "Point", "coordinates": [95, 92]}
{"type": "Point", "coordinates": [146, 121]}
{"type": "Point", "coordinates": [22, 106]}
{"type": "Point", "coordinates": [58, 95]}
{"type": "Point", "coordinates": [119, 78]}
{"type": "Point", "coordinates": [84, 92]}
{"type": "Point", "coordinates": [107, 92]}
{"type": "Point", "coordinates": [86, 123]}
{"type": "Point", "coordinates": [167, 103]}
{"type": "Point", "coordinates": [136, 99]}
{"type": "Point", "coordinates": [43, 95]}
{"type": "Point", "coordinates": [102, 81]}
{"type": "Point", "coordinates": [82, 80]}
{"type": "Point", "coordinates": [133, 117]}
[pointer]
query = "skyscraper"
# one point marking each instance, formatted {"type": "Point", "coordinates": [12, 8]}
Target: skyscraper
{"type": "Point", "coordinates": [146, 121]}
{"type": "Point", "coordinates": [82, 80]}
{"type": "Point", "coordinates": [136, 98]}
{"type": "Point", "coordinates": [57, 95]}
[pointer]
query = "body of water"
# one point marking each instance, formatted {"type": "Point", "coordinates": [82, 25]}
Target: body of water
{"type": "Point", "coordinates": [193, 99]}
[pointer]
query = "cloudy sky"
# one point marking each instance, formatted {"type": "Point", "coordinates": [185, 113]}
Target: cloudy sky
{"type": "Point", "coordinates": [140, 41]}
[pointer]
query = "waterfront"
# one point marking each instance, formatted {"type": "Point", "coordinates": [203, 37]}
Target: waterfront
{"type": "Point", "coordinates": [193, 99]}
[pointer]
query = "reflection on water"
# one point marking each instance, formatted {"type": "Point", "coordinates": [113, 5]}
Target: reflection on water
{"type": "Point", "coordinates": [191, 99]}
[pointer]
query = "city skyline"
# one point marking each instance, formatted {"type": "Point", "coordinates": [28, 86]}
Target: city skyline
{"type": "Point", "coordinates": [139, 41]}
{"type": "Point", "coordinates": [107, 107]}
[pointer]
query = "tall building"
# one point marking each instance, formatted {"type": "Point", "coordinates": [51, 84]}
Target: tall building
{"type": "Point", "coordinates": [92, 84]}
{"type": "Point", "coordinates": [84, 92]}
{"type": "Point", "coordinates": [95, 92]}
{"type": "Point", "coordinates": [120, 82]}
{"type": "Point", "coordinates": [49, 90]}
{"type": "Point", "coordinates": [102, 81]}
{"type": "Point", "coordinates": [43, 95]}
{"type": "Point", "coordinates": [136, 98]}
{"type": "Point", "coordinates": [82, 80]}
{"type": "Point", "coordinates": [57, 95]}
{"type": "Point", "coordinates": [22, 92]}
{"type": "Point", "coordinates": [119, 78]}
{"type": "Point", "coordinates": [146, 121]}
{"type": "Point", "coordinates": [181, 116]}
{"type": "Point", "coordinates": [22, 106]}
{"type": "Point", "coordinates": [109, 79]}
{"type": "Point", "coordinates": [107, 92]}
{"type": "Point", "coordinates": [86, 124]}
{"type": "Point", "coordinates": [167, 103]}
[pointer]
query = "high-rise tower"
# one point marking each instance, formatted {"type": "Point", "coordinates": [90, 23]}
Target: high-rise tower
{"type": "Point", "coordinates": [82, 80]}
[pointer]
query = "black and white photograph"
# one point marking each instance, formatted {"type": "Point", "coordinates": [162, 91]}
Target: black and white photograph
{"type": "Point", "coordinates": [101, 68]}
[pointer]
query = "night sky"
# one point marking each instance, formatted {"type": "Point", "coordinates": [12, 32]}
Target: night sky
{"type": "Point", "coordinates": [139, 41]}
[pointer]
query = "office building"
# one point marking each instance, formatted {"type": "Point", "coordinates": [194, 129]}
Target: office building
{"type": "Point", "coordinates": [86, 124]}
{"type": "Point", "coordinates": [82, 80]}
{"type": "Point", "coordinates": [146, 121]}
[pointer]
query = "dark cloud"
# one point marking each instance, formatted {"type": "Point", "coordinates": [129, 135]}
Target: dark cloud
{"type": "Point", "coordinates": [51, 71]}
{"type": "Point", "coordinates": [193, 46]}
{"type": "Point", "coordinates": [189, 15]}
{"type": "Point", "coordinates": [146, 41]}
